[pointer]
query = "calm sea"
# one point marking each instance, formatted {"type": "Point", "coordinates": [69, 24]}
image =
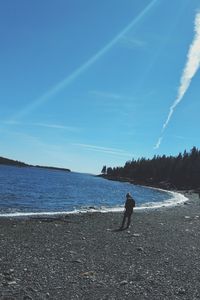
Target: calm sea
{"type": "Point", "coordinates": [33, 190]}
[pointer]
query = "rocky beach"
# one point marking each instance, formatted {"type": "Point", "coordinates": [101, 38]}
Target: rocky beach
{"type": "Point", "coordinates": [85, 256]}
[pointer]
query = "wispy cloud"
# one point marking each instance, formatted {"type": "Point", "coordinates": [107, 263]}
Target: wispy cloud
{"type": "Point", "coordinates": [131, 43]}
{"type": "Point", "coordinates": [113, 102]}
{"type": "Point", "coordinates": [108, 95]}
{"type": "Point", "coordinates": [158, 143]}
{"type": "Point", "coordinates": [56, 126]}
{"type": "Point", "coordinates": [191, 67]}
{"type": "Point", "coordinates": [37, 150]}
{"type": "Point", "coordinates": [189, 71]}
{"type": "Point", "coordinates": [46, 125]}
{"type": "Point", "coordinates": [114, 98]}
{"type": "Point", "coordinates": [113, 151]}
{"type": "Point", "coordinates": [180, 137]}
{"type": "Point", "coordinates": [11, 122]}
{"type": "Point", "coordinates": [86, 65]}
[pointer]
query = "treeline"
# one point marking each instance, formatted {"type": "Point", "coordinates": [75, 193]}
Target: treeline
{"type": "Point", "coordinates": [16, 163]}
{"type": "Point", "coordinates": [52, 168]}
{"type": "Point", "coordinates": [11, 162]}
{"type": "Point", "coordinates": [181, 171]}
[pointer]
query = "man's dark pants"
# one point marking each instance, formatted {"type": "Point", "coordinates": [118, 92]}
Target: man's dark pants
{"type": "Point", "coordinates": [127, 215]}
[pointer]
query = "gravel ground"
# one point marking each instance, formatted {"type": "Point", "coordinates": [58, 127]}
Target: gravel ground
{"type": "Point", "coordinates": [86, 257]}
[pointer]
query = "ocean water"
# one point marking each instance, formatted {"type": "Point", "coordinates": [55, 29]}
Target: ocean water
{"type": "Point", "coordinates": [27, 191]}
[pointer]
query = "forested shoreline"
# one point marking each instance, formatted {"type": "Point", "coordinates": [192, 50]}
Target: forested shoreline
{"type": "Point", "coordinates": [11, 162]}
{"type": "Point", "coordinates": [16, 163]}
{"type": "Point", "coordinates": [170, 172]}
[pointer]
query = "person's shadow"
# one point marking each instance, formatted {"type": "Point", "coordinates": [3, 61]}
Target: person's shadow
{"type": "Point", "coordinates": [119, 229]}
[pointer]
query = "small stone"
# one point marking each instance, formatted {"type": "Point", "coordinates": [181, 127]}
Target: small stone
{"type": "Point", "coordinates": [123, 282]}
{"type": "Point", "coordinates": [12, 282]}
{"type": "Point", "coordinates": [140, 249]}
{"type": "Point", "coordinates": [136, 234]}
{"type": "Point", "coordinates": [77, 261]}
{"type": "Point", "coordinates": [6, 273]}
{"type": "Point", "coordinates": [8, 278]}
{"type": "Point", "coordinates": [88, 274]}
{"type": "Point", "coordinates": [181, 291]}
{"type": "Point", "coordinates": [27, 297]}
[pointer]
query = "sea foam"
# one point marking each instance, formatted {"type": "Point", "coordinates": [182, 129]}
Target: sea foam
{"type": "Point", "coordinates": [176, 199]}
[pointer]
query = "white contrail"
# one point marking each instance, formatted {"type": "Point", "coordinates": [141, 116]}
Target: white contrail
{"type": "Point", "coordinates": [69, 79]}
{"type": "Point", "coordinates": [158, 143]}
{"type": "Point", "coordinates": [191, 67]}
{"type": "Point", "coordinates": [106, 150]}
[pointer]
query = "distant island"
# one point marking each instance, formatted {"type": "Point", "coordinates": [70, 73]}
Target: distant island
{"type": "Point", "coordinates": [16, 163]}
{"type": "Point", "coordinates": [181, 172]}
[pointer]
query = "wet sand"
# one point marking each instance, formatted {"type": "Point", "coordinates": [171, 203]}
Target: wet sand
{"type": "Point", "coordinates": [85, 256]}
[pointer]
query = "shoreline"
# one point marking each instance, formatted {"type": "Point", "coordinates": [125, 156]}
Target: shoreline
{"type": "Point", "coordinates": [15, 163]}
{"type": "Point", "coordinates": [85, 256]}
{"type": "Point", "coordinates": [177, 199]}
{"type": "Point", "coordinates": [163, 185]}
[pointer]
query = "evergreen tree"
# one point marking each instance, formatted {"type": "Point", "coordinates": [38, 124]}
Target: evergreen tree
{"type": "Point", "coordinates": [181, 171]}
{"type": "Point", "coordinates": [104, 169]}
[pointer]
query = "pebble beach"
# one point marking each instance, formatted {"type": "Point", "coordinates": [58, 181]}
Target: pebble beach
{"type": "Point", "coordinates": [86, 256]}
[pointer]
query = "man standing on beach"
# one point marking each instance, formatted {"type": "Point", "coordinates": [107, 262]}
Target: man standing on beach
{"type": "Point", "coordinates": [129, 205]}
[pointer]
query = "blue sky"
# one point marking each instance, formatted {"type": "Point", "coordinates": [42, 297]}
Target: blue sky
{"type": "Point", "coordinates": [90, 83]}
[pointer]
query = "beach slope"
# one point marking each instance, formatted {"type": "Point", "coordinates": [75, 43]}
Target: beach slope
{"type": "Point", "coordinates": [85, 256]}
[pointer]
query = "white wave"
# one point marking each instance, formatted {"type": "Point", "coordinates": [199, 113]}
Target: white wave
{"type": "Point", "coordinates": [176, 199]}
